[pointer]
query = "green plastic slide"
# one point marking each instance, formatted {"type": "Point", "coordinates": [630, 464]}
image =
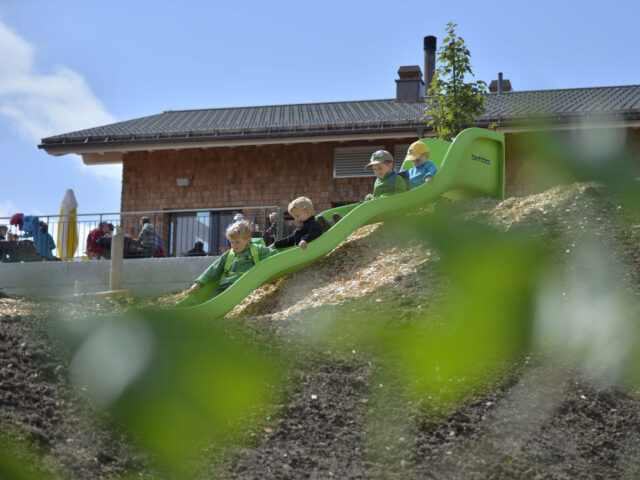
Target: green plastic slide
{"type": "Point", "coordinates": [470, 166]}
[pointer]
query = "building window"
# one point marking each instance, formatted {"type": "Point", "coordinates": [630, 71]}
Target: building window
{"type": "Point", "coordinates": [189, 228]}
{"type": "Point", "coordinates": [399, 152]}
{"type": "Point", "coordinates": [349, 162]}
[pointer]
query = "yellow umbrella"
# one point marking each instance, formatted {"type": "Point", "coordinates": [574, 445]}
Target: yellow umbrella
{"type": "Point", "coordinates": [67, 227]}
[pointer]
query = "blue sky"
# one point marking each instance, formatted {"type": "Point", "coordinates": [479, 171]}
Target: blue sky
{"type": "Point", "coordinates": [69, 65]}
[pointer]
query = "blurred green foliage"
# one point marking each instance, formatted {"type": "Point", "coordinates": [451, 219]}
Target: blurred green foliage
{"type": "Point", "coordinates": [20, 461]}
{"type": "Point", "coordinates": [183, 384]}
{"type": "Point", "coordinates": [482, 324]}
{"type": "Point", "coordinates": [604, 155]}
{"type": "Point", "coordinates": [488, 310]}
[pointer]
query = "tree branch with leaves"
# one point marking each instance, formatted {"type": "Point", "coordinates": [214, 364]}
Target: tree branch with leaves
{"type": "Point", "coordinates": [451, 103]}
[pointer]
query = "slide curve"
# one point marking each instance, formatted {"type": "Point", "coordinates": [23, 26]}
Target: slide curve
{"type": "Point", "coordinates": [470, 166]}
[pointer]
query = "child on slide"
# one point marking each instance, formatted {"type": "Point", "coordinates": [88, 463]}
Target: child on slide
{"type": "Point", "coordinates": [301, 209]}
{"type": "Point", "coordinates": [423, 169]}
{"type": "Point", "coordinates": [389, 181]}
{"type": "Point", "coordinates": [235, 262]}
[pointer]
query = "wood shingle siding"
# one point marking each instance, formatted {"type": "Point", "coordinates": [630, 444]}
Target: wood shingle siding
{"type": "Point", "coordinates": [231, 177]}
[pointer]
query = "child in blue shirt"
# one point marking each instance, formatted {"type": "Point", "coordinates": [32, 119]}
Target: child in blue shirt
{"type": "Point", "coordinates": [423, 169]}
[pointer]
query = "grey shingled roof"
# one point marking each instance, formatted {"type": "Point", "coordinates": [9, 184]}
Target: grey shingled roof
{"type": "Point", "coordinates": [560, 102]}
{"type": "Point", "coordinates": [354, 117]}
{"type": "Point", "coordinates": [275, 117]}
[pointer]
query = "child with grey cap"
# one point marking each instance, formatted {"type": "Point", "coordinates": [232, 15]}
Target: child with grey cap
{"type": "Point", "coordinates": [389, 181]}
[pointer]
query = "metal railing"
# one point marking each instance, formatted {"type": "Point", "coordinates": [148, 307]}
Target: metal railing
{"type": "Point", "coordinates": [178, 230]}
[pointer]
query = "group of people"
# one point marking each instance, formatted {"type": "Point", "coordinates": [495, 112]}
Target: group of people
{"type": "Point", "coordinates": [269, 235]}
{"type": "Point", "coordinates": [244, 253]}
{"type": "Point", "coordinates": [148, 243]}
{"type": "Point", "coordinates": [389, 181]}
{"type": "Point", "coordinates": [95, 248]}
{"type": "Point", "coordinates": [35, 230]}
{"type": "Point", "coordinates": [98, 244]}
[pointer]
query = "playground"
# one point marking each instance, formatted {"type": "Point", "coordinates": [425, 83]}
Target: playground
{"type": "Point", "coordinates": [347, 404]}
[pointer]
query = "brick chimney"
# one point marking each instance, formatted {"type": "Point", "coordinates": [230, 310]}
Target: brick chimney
{"type": "Point", "coordinates": [429, 60]}
{"type": "Point", "coordinates": [409, 87]}
{"type": "Point", "coordinates": [500, 85]}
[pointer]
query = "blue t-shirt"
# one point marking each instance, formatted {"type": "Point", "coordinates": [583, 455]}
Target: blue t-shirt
{"type": "Point", "coordinates": [44, 244]}
{"type": "Point", "coordinates": [418, 174]}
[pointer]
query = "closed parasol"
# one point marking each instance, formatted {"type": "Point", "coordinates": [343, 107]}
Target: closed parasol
{"type": "Point", "coordinates": [68, 228]}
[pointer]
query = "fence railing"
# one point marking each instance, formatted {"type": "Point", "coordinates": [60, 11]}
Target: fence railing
{"type": "Point", "coordinates": [178, 230]}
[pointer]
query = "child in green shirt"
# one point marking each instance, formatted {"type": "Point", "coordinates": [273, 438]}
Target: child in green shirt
{"type": "Point", "coordinates": [389, 181]}
{"type": "Point", "coordinates": [235, 262]}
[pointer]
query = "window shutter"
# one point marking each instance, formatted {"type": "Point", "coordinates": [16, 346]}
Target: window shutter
{"type": "Point", "coordinates": [349, 162]}
{"type": "Point", "coordinates": [399, 152]}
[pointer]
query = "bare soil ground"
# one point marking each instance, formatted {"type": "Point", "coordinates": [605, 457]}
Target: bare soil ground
{"type": "Point", "coordinates": [344, 414]}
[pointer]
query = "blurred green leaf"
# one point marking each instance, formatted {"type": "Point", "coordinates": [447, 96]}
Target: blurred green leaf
{"type": "Point", "coordinates": [182, 382]}
{"type": "Point", "coordinates": [19, 461]}
{"type": "Point", "coordinates": [590, 154]}
{"type": "Point", "coordinates": [490, 287]}
{"type": "Point", "coordinates": [488, 313]}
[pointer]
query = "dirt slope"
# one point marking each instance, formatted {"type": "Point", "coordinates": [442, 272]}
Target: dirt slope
{"type": "Point", "coordinates": [345, 415]}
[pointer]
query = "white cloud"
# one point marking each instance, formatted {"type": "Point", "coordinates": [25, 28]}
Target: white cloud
{"type": "Point", "coordinates": [16, 59]}
{"type": "Point", "coordinates": [44, 104]}
{"type": "Point", "coordinates": [7, 208]}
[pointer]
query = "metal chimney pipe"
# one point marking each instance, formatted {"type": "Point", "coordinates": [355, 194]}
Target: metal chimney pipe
{"type": "Point", "coordinates": [500, 82]}
{"type": "Point", "coordinates": [429, 60]}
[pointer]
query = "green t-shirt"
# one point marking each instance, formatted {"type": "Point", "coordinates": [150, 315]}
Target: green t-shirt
{"type": "Point", "coordinates": [240, 264]}
{"type": "Point", "coordinates": [382, 188]}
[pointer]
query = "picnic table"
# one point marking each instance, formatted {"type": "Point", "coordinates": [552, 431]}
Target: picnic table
{"type": "Point", "coordinates": [19, 251]}
{"type": "Point", "coordinates": [132, 248]}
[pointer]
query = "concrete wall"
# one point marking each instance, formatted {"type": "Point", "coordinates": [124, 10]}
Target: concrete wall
{"type": "Point", "coordinates": [144, 276]}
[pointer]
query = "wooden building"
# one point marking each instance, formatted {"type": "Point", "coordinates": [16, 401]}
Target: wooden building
{"type": "Point", "coordinates": [268, 155]}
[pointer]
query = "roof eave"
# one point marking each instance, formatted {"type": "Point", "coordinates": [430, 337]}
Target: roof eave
{"type": "Point", "coordinates": [186, 139]}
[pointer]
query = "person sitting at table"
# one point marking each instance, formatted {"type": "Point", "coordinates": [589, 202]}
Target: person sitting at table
{"type": "Point", "coordinates": [148, 237]}
{"type": "Point", "coordinates": [197, 250]}
{"type": "Point", "coordinates": [93, 248]}
{"type": "Point", "coordinates": [44, 242]}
